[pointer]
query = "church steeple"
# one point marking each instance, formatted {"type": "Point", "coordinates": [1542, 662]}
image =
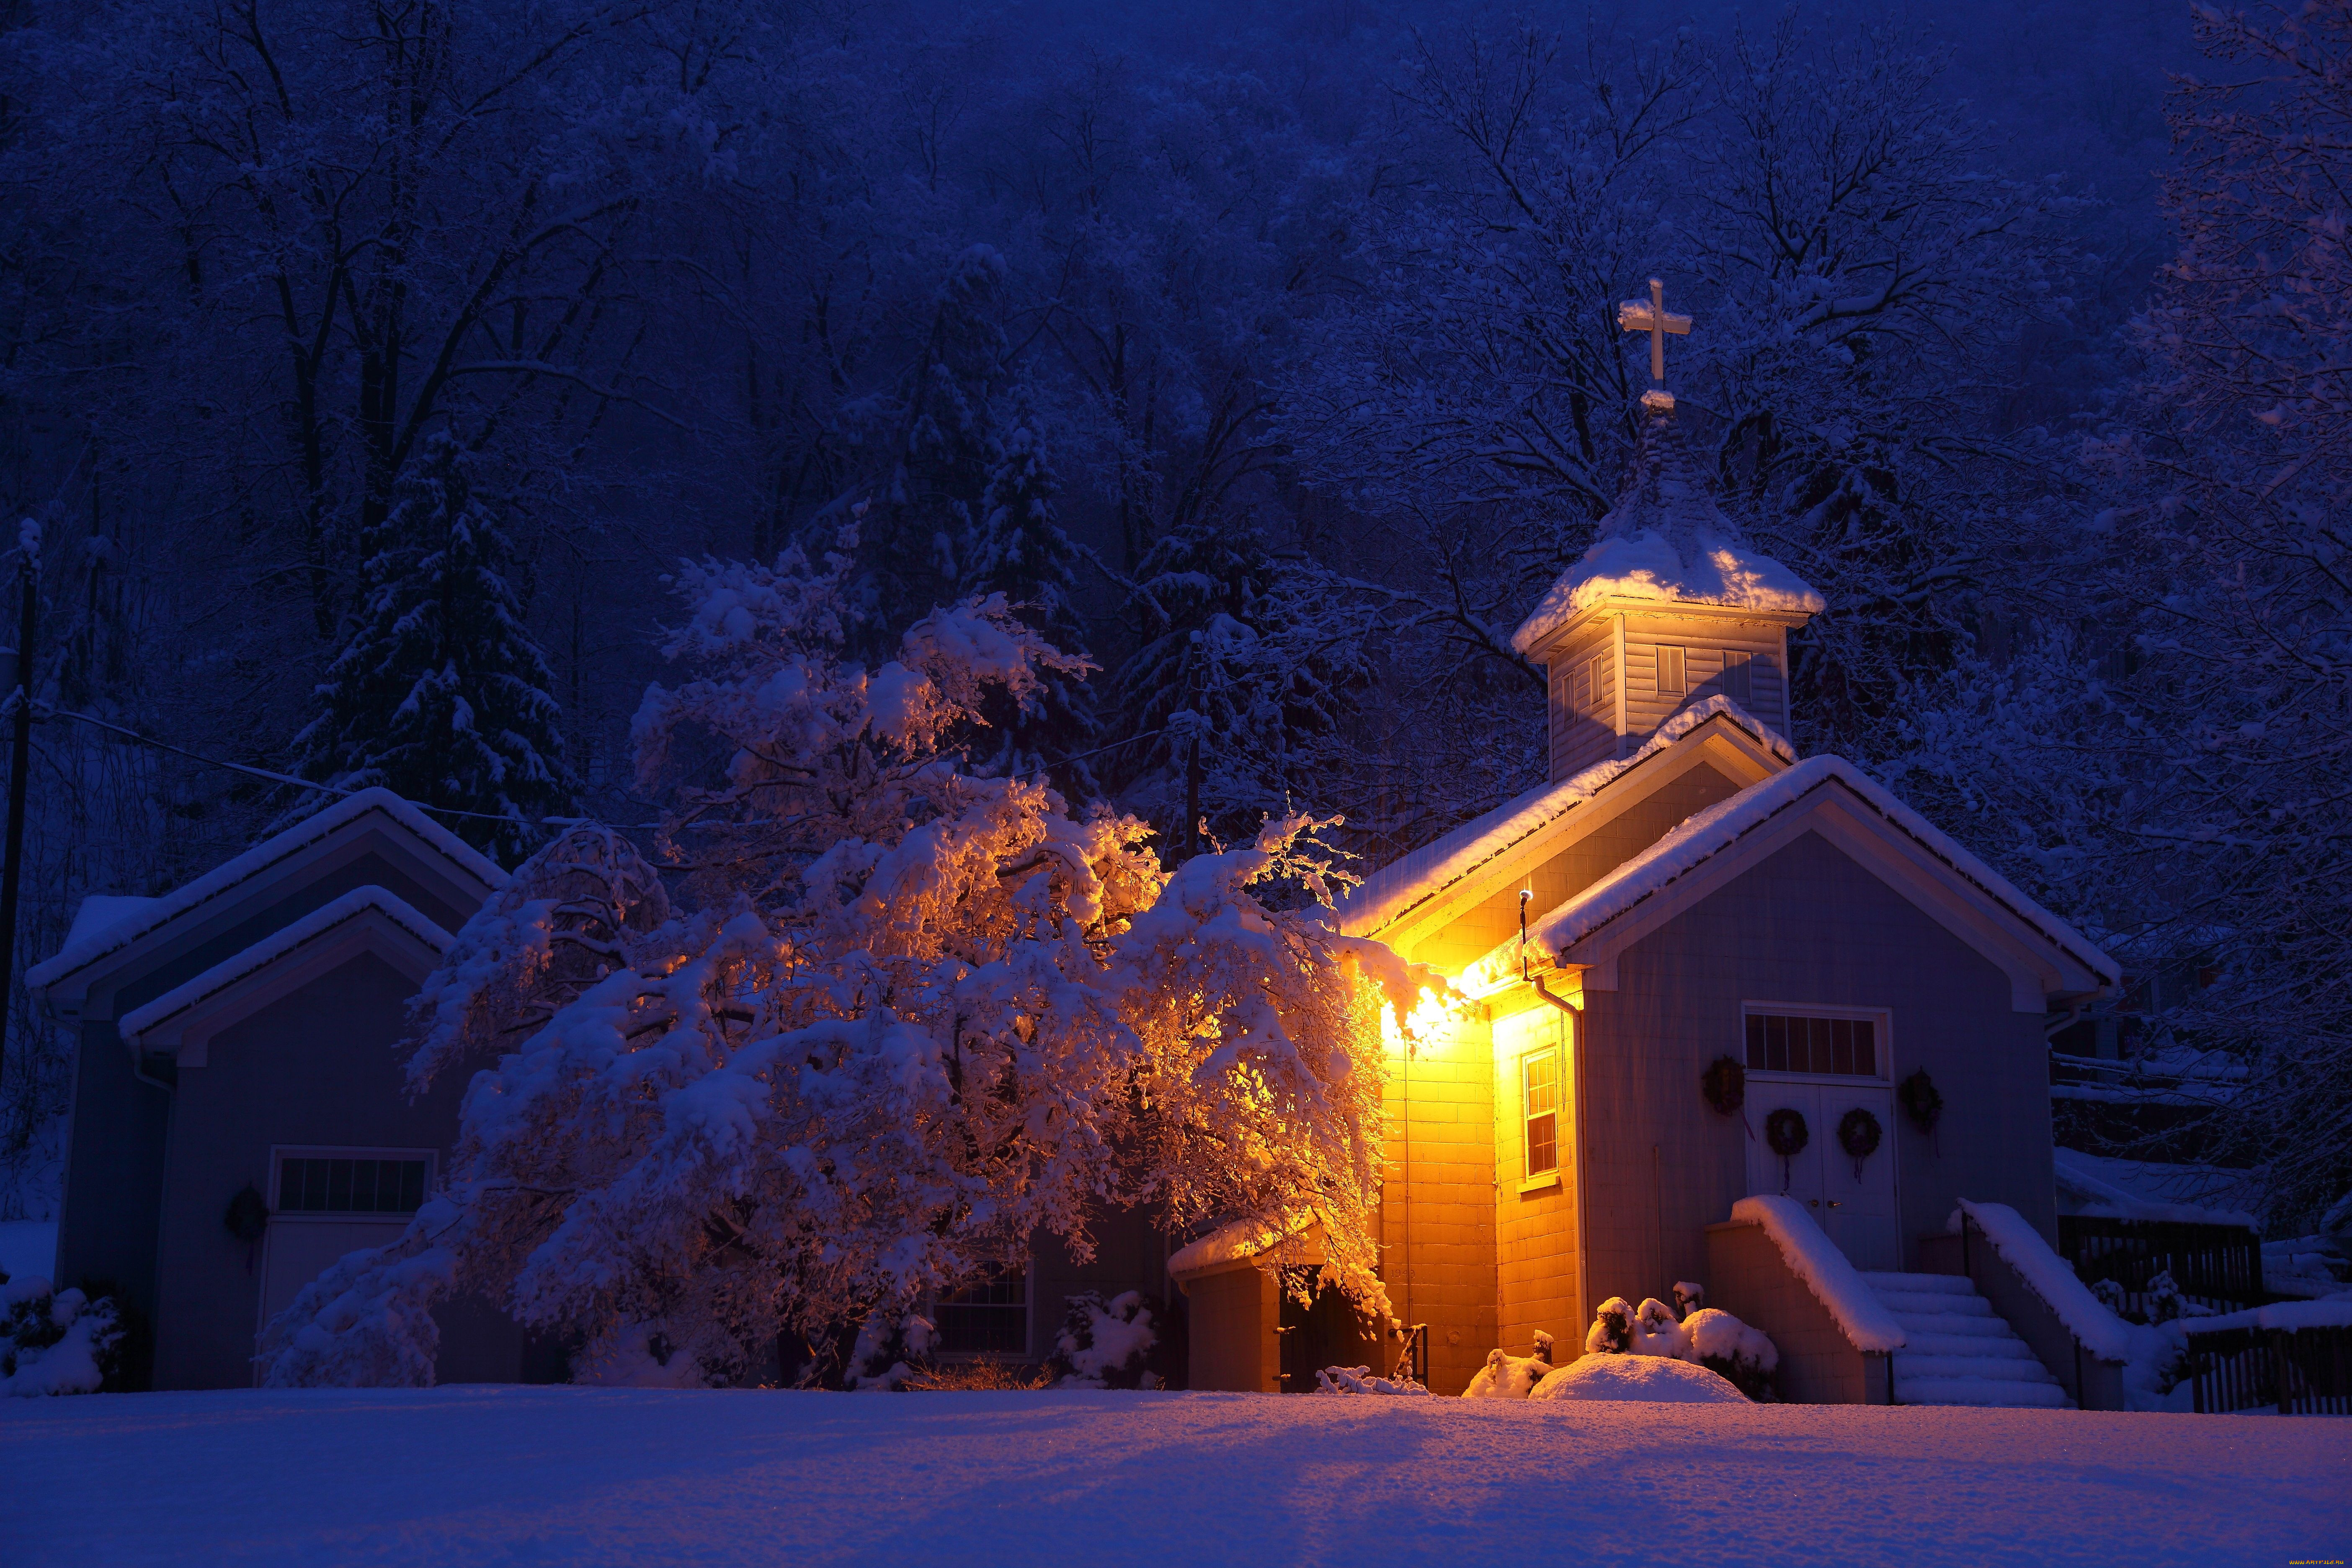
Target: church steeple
{"type": "Point", "coordinates": [1670, 605]}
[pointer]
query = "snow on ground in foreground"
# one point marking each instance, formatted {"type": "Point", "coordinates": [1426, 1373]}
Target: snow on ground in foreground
{"type": "Point", "coordinates": [463, 1476]}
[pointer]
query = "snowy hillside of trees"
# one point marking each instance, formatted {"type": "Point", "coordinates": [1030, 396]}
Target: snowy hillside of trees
{"type": "Point", "coordinates": [399, 389]}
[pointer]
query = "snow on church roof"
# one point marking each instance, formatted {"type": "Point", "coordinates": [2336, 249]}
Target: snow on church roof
{"type": "Point", "coordinates": [1411, 879]}
{"type": "Point", "coordinates": [84, 948]}
{"type": "Point", "coordinates": [1665, 539]}
{"type": "Point", "coordinates": [277, 945]}
{"type": "Point", "coordinates": [1721, 827]}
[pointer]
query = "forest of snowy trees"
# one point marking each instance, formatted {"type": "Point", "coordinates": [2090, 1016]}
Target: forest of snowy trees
{"type": "Point", "coordinates": [376, 372]}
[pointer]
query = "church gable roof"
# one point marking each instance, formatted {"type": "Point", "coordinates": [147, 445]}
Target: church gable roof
{"type": "Point", "coordinates": [368, 919]}
{"type": "Point", "coordinates": [1666, 540]}
{"type": "Point", "coordinates": [1726, 839]}
{"type": "Point", "coordinates": [1493, 848]}
{"type": "Point", "coordinates": [145, 923]}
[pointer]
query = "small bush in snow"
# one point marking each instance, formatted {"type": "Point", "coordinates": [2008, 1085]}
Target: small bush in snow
{"type": "Point", "coordinates": [1655, 1331]}
{"type": "Point", "coordinates": [1612, 1328]}
{"type": "Point", "coordinates": [1360, 1379]}
{"type": "Point", "coordinates": [1689, 1297]}
{"type": "Point", "coordinates": [55, 1341]}
{"type": "Point", "coordinates": [1103, 1344]}
{"type": "Point", "coordinates": [1507, 1376]}
{"type": "Point", "coordinates": [1743, 1356]}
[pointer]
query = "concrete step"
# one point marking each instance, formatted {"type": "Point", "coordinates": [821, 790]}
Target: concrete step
{"type": "Point", "coordinates": [1911, 1364]}
{"type": "Point", "coordinates": [2005, 1347]}
{"type": "Point", "coordinates": [1957, 1350]}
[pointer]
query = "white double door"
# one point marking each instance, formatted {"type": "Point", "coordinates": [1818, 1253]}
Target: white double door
{"type": "Point", "coordinates": [1853, 1201]}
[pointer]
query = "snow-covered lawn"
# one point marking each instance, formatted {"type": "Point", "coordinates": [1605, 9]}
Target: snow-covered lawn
{"type": "Point", "coordinates": [476, 1475]}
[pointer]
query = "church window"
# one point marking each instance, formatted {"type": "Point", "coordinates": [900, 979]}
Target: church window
{"type": "Point", "coordinates": [329, 1184]}
{"type": "Point", "coordinates": [1539, 1090]}
{"type": "Point", "coordinates": [1672, 672]}
{"type": "Point", "coordinates": [1736, 684]}
{"type": "Point", "coordinates": [988, 1317]}
{"type": "Point", "coordinates": [1827, 1047]}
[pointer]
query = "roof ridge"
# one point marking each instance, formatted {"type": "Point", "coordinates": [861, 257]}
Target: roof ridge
{"type": "Point", "coordinates": [195, 894]}
{"type": "Point", "coordinates": [268, 950]}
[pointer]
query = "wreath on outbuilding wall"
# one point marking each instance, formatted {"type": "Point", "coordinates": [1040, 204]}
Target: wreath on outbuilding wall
{"type": "Point", "coordinates": [1724, 1084]}
{"type": "Point", "coordinates": [1785, 1133]}
{"type": "Point", "coordinates": [1858, 1135]}
{"type": "Point", "coordinates": [247, 1220]}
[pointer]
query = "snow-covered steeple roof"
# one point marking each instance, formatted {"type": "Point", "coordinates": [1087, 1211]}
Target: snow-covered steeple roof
{"type": "Point", "coordinates": [1666, 540]}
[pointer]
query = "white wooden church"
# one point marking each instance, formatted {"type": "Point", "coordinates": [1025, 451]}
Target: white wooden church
{"type": "Point", "coordinates": [1685, 905]}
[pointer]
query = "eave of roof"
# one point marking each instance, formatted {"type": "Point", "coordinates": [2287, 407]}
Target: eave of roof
{"type": "Point", "coordinates": [1721, 827]}
{"type": "Point", "coordinates": [1412, 879]}
{"type": "Point", "coordinates": [231, 874]}
{"type": "Point", "coordinates": [279, 944]}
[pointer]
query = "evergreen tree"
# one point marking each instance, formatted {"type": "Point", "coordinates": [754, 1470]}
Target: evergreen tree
{"type": "Point", "coordinates": [440, 693]}
{"type": "Point", "coordinates": [929, 495]}
{"type": "Point", "coordinates": [1246, 656]}
{"type": "Point", "coordinates": [1018, 549]}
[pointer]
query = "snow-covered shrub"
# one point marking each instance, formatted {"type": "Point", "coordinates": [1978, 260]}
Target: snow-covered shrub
{"type": "Point", "coordinates": [1656, 1332]}
{"type": "Point", "coordinates": [1103, 1344]}
{"type": "Point", "coordinates": [900, 1019]}
{"type": "Point", "coordinates": [1612, 1328]}
{"type": "Point", "coordinates": [55, 1341]}
{"type": "Point", "coordinates": [1744, 1356]}
{"type": "Point", "coordinates": [1507, 1376]}
{"type": "Point", "coordinates": [1360, 1379]}
{"type": "Point", "coordinates": [2164, 1300]}
{"type": "Point", "coordinates": [1689, 1297]}
{"type": "Point", "coordinates": [1659, 1380]}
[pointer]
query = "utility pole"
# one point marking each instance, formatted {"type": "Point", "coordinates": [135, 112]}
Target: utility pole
{"type": "Point", "coordinates": [20, 756]}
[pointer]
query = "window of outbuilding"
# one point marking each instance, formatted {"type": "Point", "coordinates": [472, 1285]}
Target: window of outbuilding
{"type": "Point", "coordinates": [332, 1184]}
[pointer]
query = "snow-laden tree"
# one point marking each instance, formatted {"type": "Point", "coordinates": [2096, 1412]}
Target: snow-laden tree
{"type": "Point", "coordinates": [2168, 761]}
{"type": "Point", "coordinates": [894, 1020]}
{"type": "Point", "coordinates": [440, 694]}
{"type": "Point", "coordinates": [1015, 547]}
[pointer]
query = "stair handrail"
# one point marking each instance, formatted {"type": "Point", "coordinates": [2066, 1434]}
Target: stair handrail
{"type": "Point", "coordinates": [1864, 1319]}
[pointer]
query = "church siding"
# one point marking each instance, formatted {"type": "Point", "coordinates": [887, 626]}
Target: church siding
{"type": "Point", "coordinates": [1705, 643]}
{"type": "Point", "coordinates": [1535, 1232]}
{"type": "Point", "coordinates": [1807, 925]}
{"type": "Point", "coordinates": [1437, 1215]}
{"type": "Point", "coordinates": [1495, 919]}
{"type": "Point", "coordinates": [1583, 710]}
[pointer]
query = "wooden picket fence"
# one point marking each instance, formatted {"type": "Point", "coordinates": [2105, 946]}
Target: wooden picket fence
{"type": "Point", "coordinates": [2303, 1372]}
{"type": "Point", "coordinates": [2218, 1266]}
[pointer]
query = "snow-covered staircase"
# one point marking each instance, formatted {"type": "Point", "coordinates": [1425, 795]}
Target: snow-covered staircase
{"type": "Point", "coordinates": [1957, 1350]}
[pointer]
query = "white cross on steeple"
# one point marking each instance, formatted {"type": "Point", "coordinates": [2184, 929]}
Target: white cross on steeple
{"type": "Point", "coordinates": [1650, 316]}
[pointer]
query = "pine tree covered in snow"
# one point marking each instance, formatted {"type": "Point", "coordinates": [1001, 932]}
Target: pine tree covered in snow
{"type": "Point", "coordinates": [1252, 662]}
{"type": "Point", "coordinates": [930, 494]}
{"type": "Point", "coordinates": [2171, 765]}
{"type": "Point", "coordinates": [900, 1019]}
{"type": "Point", "coordinates": [1016, 547]}
{"type": "Point", "coordinates": [440, 693]}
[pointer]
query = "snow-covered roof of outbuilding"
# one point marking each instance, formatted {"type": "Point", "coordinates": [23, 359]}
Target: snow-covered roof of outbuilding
{"type": "Point", "coordinates": [139, 917]}
{"type": "Point", "coordinates": [280, 944]}
{"type": "Point", "coordinates": [1721, 827]}
{"type": "Point", "coordinates": [1411, 879]}
{"type": "Point", "coordinates": [1666, 540]}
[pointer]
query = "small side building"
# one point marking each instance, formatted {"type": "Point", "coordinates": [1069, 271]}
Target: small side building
{"type": "Point", "coordinates": [239, 1117]}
